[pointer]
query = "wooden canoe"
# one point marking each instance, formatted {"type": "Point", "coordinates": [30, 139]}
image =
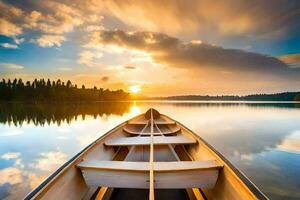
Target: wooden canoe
{"type": "Point", "coordinates": [149, 156]}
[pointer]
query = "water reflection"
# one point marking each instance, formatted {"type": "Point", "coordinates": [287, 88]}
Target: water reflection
{"type": "Point", "coordinates": [40, 114]}
{"type": "Point", "coordinates": [291, 143]}
{"type": "Point", "coordinates": [261, 139]}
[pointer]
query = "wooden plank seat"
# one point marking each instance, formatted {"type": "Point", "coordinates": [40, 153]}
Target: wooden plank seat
{"type": "Point", "coordinates": [168, 132]}
{"type": "Point", "coordinates": [146, 122]}
{"type": "Point", "coordinates": [157, 140]}
{"type": "Point", "coordinates": [124, 174]}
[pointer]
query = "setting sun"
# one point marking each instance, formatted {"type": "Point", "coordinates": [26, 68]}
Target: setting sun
{"type": "Point", "coordinates": [134, 89]}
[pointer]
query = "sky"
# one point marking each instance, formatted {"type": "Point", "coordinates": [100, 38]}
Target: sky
{"type": "Point", "coordinates": [163, 47]}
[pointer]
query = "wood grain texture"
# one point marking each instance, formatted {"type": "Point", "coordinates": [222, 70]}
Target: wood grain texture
{"type": "Point", "coordinates": [205, 178]}
{"type": "Point", "coordinates": [168, 132]}
{"type": "Point", "coordinates": [193, 164]}
{"type": "Point", "coordinates": [157, 140]}
{"type": "Point", "coordinates": [156, 122]}
{"type": "Point", "coordinates": [151, 160]}
{"type": "Point", "coordinates": [144, 166]}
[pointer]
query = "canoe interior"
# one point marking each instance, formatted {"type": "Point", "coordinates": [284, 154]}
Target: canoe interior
{"type": "Point", "coordinates": [137, 194]}
{"type": "Point", "coordinates": [218, 179]}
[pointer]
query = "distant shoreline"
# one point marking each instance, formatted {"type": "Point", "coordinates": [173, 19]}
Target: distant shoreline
{"type": "Point", "coordinates": [93, 102]}
{"type": "Point", "coordinates": [285, 96]}
{"type": "Point", "coordinates": [211, 101]}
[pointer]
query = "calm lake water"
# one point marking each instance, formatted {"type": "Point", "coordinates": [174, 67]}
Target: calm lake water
{"type": "Point", "coordinates": [260, 139]}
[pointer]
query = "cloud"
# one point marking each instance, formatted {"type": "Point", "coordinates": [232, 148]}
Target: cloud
{"type": "Point", "coordinates": [50, 161]}
{"type": "Point", "coordinates": [63, 18]}
{"type": "Point", "coordinates": [11, 66]}
{"type": "Point", "coordinates": [19, 163]}
{"type": "Point", "coordinates": [204, 57]}
{"type": "Point", "coordinates": [10, 12]}
{"type": "Point", "coordinates": [31, 19]}
{"type": "Point", "coordinates": [8, 20]}
{"type": "Point", "coordinates": [50, 40]}
{"type": "Point", "coordinates": [84, 140]}
{"type": "Point", "coordinates": [105, 78]}
{"type": "Point", "coordinates": [9, 46]}
{"type": "Point", "coordinates": [291, 143]}
{"type": "Point", "coordinates": [9, 29]}
{"type": "Point", "coordinates": [196, 42]}
{"type": "Point", "coordinates": [293, 60]}
{"type": "Point", "coordinates": [91, 28]}
{"type": "Point", "coordinates": [10, 175]}
{"type": "Point", "coordinates": [246, 157]}
{"type": "Point", "coordinates": [52, 18]}
{"type": "Point", "coordinates": [200, 66]}
{"type": "Point", "coordinates": [88, 58]}
{"type": "Point", "coordinates": [19, 40]}
{"type": "Point", "coordinates": [129, 67]}
{"type": "Point", "coordinates": [20, 182]}
{"type": "Point", "coordinates": [48, 20]}
{"type": "Point", "coordinates": [10, 155]}
{"type": "Point", "coordinates": [225, 17]}
{"type": "Point", "coordinates": [206, 19]}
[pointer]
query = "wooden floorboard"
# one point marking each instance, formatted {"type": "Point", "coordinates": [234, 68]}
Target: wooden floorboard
{"type": "Point", "coordinates": [142, 194]}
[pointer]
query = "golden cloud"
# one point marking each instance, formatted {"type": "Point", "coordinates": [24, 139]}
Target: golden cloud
{"type": "Point", "coordinates": [201, 18]}
{"type": "Point", "coordinates": [204, 17]}
{"type": "Point", "coordinates": [50, 40]}
{"type": "Point", "coordinates": [49, 161]}
{"type": "Point", "coordinates": [204, 65]}
{"type": "Point", "coordinates": [51, 21]}
{"type": "Point", "coordinates": [88, 58]}
{"type": "Point", "coordinates": [293, 60]}
{"type": "Point", "coordinates": [291, 143]}
{"type": "Point", "coordinates": [175, 53]}
{"type": "Point", "coordinates": [9, 29]}
{"type": "Point", "coordinates": [225, 17]}
{"type": "Point", "coordinates": [10, 175]}
{"type": "Point", "coordinates": [11, 66]}
{"type": "Point", "coordinates": [10, 155]}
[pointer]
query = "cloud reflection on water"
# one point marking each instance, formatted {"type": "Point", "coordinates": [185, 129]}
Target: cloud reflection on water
{"type": "Point", "coordinates": [291, 143]}
{"type": "Point", "coordinates": [260, 139]}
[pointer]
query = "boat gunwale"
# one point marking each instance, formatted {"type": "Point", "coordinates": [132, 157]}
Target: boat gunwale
{"type": "Point", "coordinates": [250, 185]}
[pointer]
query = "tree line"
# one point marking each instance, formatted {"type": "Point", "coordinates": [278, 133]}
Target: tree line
{"type": "Point", "coordinates": [285, 96]}
{"type": "Point", "coordinates": [41, 90]}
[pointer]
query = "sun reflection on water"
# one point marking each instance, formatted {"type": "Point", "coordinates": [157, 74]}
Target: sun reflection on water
{"type": "Point", "coordinates": [258, 139]}
{"type": "Point", "coordinates": [135, 110]}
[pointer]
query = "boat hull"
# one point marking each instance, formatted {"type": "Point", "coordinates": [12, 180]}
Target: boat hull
{"type": "Point", "coordinates": [68, 182]}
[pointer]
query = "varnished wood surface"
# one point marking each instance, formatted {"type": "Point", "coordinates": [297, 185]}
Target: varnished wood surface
{"type": "Point", "coordinates": [157, 140]}
{"type": "Point", "coordinates": [69, 182]}
{"type": "Point", "coordinates": [151, 160]}
{"type": "Point", "coordinates": [167, 132]}
{"type": "Point", "coordinates": [195, 178]}
{"type": "Point", "coordinates": [144, 166]}
{"type": "Point", "coordinates": [156, 122]}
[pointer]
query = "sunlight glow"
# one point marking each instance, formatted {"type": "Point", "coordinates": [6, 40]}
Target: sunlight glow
{"type": "Point", "coordinates": [135, 110]}
{"type": "Point", "coordinates": [134, 89]}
